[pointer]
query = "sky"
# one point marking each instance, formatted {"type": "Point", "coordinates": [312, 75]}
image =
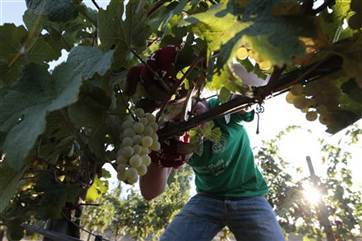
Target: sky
{"type": "Point", "coordinates": [276, 117]}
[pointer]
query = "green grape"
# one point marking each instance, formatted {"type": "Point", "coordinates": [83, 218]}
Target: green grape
{"type": "Point", "coordinates": [138, 127]}
{"type": "Point", "coordinates": [155, 146]}
{"type": "Point", "coordinates": [127, 151]}
{"type": "Point", "coordinates": [147, 141]}
{"type": "Point", "coordinates": [144, 121]}
{"type": "Point", "coordinates": [154, 125]}
{"type": "Point", "coordinates": [297, 89]}
{"type": "Point", "coordinates": [290, 98]}
{"type": "Point", "coordinates": [137, 149]}
{"type": "Point", "coordinates": [151, 118]}
{"type": "Point", "coordinates": [145, 151]}
{"type": "Point", "coordinates": [139, 112]}
{"type": "Point", "coordinates": [131, 175]}
{"type": "Point", "coordinates": [121, 159]}
{"type": "Point", "coordinates": [121, 175]}
{"type": "Point", "coordinates": [154, 137]}
{"type": "Point", "coordinates": [300, 102]}
{"type": "Point", "coordinates": [121, 167]}
{"type": "Point", "coordinates": [148, 131]}
{"type": "Point", "coordinates": [242, 53]}
{"type": "Point", "coordinates": [142, 170]}
{"type": "Point", "coordinates": [265, 65]}
{"type": "Point", "coordinates": [127, 141]}
{"type": "Point", "coordinates": [355, 21]}
{"type": "Point", "coordinates": [137, 139]}
{"type": "Point", "coordinates": [146, 160]}
{"type": "Point", "coordinates": [128, 132]}
{"type": "Point", "coordinates": [135, 160]}
{"type": "Point", "coordinates": [311, 115]}
{"type": "Point", "coordinates": [127, 124]}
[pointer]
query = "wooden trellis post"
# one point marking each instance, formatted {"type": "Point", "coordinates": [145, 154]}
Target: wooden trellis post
{"type": "Point", "coordinates": [322, 209]}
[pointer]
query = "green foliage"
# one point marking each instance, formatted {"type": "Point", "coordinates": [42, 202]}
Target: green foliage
{"type": "Point", "coordinates": [339, 193]}
{"type": "Point", "coordinates": [89, 61]}
{"type": "Point", "coordinates": [135, 217]}
{"type": "Point", "coordinates": [58, 11]}
{"type": "Point", "coordinates": [97, 189]}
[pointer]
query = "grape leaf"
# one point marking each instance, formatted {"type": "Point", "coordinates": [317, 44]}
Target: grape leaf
{"type": "Point", "coordinates": [89, 61]}
{"type": "Point", "coordinates": [55, 10]}
{"type": "Point", "coordinates": [331, 21]}
{"type": "Point", "coordinates": [224, 95]}
{"type": "Point", "coordinates": [18, 47]}
{"type": "Point", "coordinates": [97, 188]}
{"type": "Point", "coordinates": [54, 195]}
{"type": "Point", "coordinates": [215, 29]}
{"type": "Point", "coordinates": [352, 57]}
{"type": "Point", "coordinates": [276, 38]}
{"type": "Point", "coordinates": [61, 35]}
{"type": "Point", "coordinates": [90, 110]}
{"type": "Point", "coordinates": [123, 33]}
{"type": "Point", "coordinates": [25, 105]}
{"type": "Point", "coordinates": [10, 44]}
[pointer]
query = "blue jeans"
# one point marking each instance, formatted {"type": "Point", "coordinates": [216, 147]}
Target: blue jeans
{"type": "Point", "coordinates": [249, 218]}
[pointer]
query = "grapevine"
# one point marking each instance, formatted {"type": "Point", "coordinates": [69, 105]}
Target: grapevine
{"type": "Point", "coordinates": [129, 59]}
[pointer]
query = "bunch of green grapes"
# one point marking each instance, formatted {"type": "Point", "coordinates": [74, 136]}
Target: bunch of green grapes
{"type": "Point", "coordinates": [243, 53]}
{"type": "Point", "coordinates": [138, 139]}
{"type": "Point", "coordinates": [318, 99]}
{"type": "Point", "coordinates": [300, 100]}
{"type": "Point", "coordinates": [355, 21]}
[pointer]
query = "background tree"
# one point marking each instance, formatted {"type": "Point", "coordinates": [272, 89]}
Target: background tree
{"type": "Point", "coordinates": [338, 192]}
{"type": "Point", "coordinates": [133, 216]}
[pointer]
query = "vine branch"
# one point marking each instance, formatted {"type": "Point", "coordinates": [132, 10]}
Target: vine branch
{"type": "Point", "coordinates": [305, 75]}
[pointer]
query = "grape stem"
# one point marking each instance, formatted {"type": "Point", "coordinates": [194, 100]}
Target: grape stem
{"type": "Point", "coordinates": [134, 117]}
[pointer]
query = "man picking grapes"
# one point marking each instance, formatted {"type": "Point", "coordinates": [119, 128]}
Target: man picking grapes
{"type": "Point", "coordinates": [230, 188]}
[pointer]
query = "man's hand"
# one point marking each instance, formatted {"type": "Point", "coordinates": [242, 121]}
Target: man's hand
{"type": "Point", "coordinates": [200, 107]}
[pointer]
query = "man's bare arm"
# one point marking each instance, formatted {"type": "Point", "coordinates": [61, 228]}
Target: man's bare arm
{"type": "Point", "coordinates": [154, 182]}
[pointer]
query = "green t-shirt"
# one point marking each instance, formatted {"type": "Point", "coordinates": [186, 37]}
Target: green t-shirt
{"type": "Point", "coordinates": [227, 168]}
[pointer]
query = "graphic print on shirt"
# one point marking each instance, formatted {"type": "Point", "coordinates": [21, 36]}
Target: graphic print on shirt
{"type": "Point", "coordinates": [218, 165]}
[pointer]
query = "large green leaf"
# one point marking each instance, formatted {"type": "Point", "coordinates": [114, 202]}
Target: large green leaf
{"type": "Point", "coordinates": [55, 10]}
{"type": "Point", "coordinates": [123, 30]}
{"type": "Point", "coordinates": [24, 107]}
{"type": "Point", "coordinates": [215, 29]}
{"type": "Point", "coordinates": [89, 60]}
{"type": "Point", "coordinates": [12, 38]}
{"type": "Point", "coordinates": [96, 190]}
{"type": "Point", "coordinates": [277, 39]}
{"type": "Point", "coordinates": [54, 196]}
{"type": "Point", "coordinates": [17, 47]}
